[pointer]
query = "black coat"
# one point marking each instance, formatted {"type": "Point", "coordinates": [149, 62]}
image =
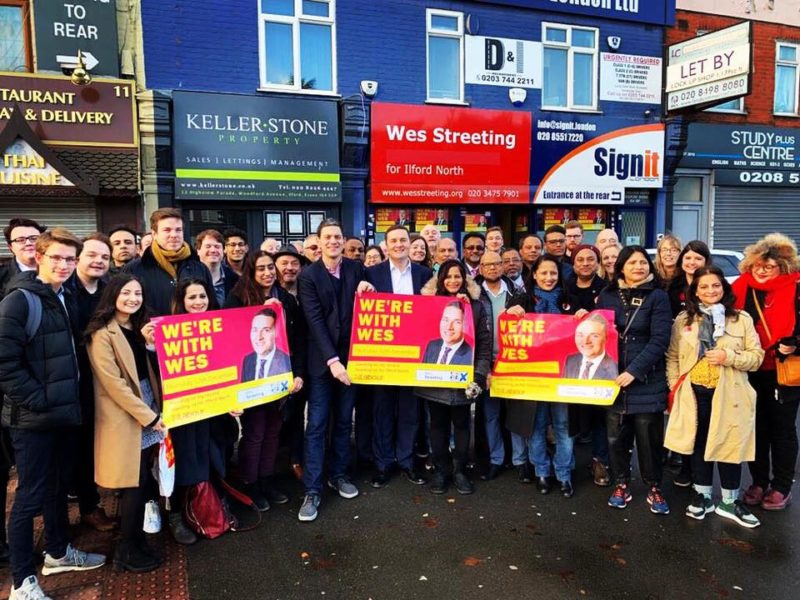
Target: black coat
{"type": "Point", "coordinates": [7, 273]}
{"type": "Point", "coordinates": [324, 315]}
{"type": "Point", "coordinates": [586, 297]}
{"type": "Point", "coordinates": [159, 285]}
{"type": "Point", "coordinates": [521, 414]}
{"type": "Point", "coordinates": [38, 377]}
{"type": "Point", "coordinates": [642, 350]}
{"type": "Point", "coordinates": [296, 330]}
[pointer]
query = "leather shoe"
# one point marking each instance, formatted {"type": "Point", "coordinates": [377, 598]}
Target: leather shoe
{"type": "Point", "coordinates": [566, 489]}
{"type": "Point", "coordinates": [491, 473]}
{"type": "Point", "coordinates": [254, 491]}
{"type": "Point", "coordinates": [438, 483]}
{"type": "Point", "coordinates": [525, 474]}
{"type": "Point", "coordinates": [600, 473]}
{"type": "Point", "coordinates": [463, 484]}
{"type": "Point", "coordinates": [272, 493]}
{"type": "Point", "coordinates": [99, 520]}
{"type": "Point", "coordinates": [543, 485]}
{"type": "Point", "coordinates": [415, 476]}
{"type": "Point", "coordinates": [380, 479]}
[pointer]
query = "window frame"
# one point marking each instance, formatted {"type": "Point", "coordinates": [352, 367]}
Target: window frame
{"type": "Point", "coordinates": [730, 111]}
{"type": "Point", "coordinates": [571, 51]}
{"type": "Point", "coordinates": [295, 21]}
{"type": "Point", "coordinates": [459, 35]}
{"type": "Point", "coordinates": [796, 65]}
{"type": "Point", "coordinates": [27, 38]}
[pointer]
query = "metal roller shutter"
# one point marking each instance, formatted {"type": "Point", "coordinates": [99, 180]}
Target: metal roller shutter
{"type": "Point", "coordinates": [79, 215]}
{"type": "Point", "coordinates": [743, 215]}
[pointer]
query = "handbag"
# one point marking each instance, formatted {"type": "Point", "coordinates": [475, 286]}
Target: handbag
{"type": "Point", "coordinates": [788, 369]}
{"type": "Point", "coordinates": [207, 515]}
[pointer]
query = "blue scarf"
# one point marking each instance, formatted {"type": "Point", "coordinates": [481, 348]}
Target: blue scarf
{"type": "Point", "coordinates": [547, 302]}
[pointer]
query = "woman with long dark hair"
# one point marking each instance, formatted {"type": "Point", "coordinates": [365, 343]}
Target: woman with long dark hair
{"type": "Point", "coordinates": [451, 407]}
{"type": "Point", "coordinates": [769, 290]}
{"type": "Point", "coordinates": [418, 251]}
{"type": "Point", "coordinates": [528, 421]}
{"type": "Point", "coordinates": [644, 321]}
{"type": "Point", "coordinates": [128, 425]}
{"type": "Point", "coordinates": [712, 419]}
{"type": "Point", "coordinates": [201, 447]}
{"type": "Point", "coordinates": [261, 425]}
{"type": "Point", "coordinates": [694, 255]}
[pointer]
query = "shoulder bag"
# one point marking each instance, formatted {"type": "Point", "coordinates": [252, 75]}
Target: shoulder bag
{"type": "Point", "coordinates": [788, 369]}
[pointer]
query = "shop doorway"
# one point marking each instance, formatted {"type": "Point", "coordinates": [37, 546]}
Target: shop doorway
{"type": "Point", "coordinates": [690, 206]}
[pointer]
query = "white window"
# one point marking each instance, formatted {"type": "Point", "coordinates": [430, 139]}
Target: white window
{"type": "Point", "coordinates": [14, 40]}
{"type": "Point", "coordinates": [734, 106]}
{"type": "Point", "coordinates": [570, 67]}
{"type": "Point", "coordinates": [787, 58]}
{"type": "Point", "coordinates": [297, 48]}
{"type": "Point", "coordinates": [445, 51]}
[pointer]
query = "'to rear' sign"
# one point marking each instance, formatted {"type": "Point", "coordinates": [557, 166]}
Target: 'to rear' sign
{"type": "Point", "coordinates": [449, 155]}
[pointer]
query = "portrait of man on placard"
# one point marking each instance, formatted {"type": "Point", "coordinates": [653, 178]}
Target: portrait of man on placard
{"type": "Point", "coordinates": [591, 361]}
{"type": "Point", "coordinates": [450, 348]}
{"type": "Point", "coordinates": [266, 359]}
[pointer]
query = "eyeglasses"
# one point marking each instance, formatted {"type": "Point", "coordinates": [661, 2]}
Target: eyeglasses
{"type": "Point", "coordinates": [473, 247]}
{"type": "Point", "coordinates": [236, 244]}
{"type": "Point", "coordinates": [22, 240]}
{"type": "Point", "coordinates": [55, 259]}
{"type": "Point", "coordinates": [666, 250]}
{"type": "Point", "coordinates": [313, 248]}
{"type": "Point", "coordinates": [492, 265]}
{"type": "Point", "coordinates": [764, 267]}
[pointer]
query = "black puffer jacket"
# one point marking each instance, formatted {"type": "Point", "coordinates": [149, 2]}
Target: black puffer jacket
{"type": "Point", "coordinates": [159, 285]}
{"type": "Point", "coordinates": [38, 377]}
{"type": "Point", "coordinates": [642, 350]}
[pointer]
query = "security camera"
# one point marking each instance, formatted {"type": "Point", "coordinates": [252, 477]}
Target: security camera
{"type": "Point", "coordinates": [369, 88]}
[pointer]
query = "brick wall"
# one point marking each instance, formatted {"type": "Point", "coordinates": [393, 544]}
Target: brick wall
{"type": "Point", "coordinates": [758, 105]}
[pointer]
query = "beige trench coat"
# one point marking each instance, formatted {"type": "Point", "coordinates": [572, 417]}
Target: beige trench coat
{"type": "Point", "coordinates": [120, 412]}
{"type": "Point", "coordinates": [732, 429]}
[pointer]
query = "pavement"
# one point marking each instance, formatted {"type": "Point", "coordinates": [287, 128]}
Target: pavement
{"type": "Point", "coordinates": [505, 541]}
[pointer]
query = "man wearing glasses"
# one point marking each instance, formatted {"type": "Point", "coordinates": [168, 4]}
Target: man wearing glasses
{"type": "Point", "coordinates": [473, 247]}
{"type": "Point", "coordinates": [555, 243]}
{"type": "Point", "coordinates": [41, 409]}
{"type": "Point", "coordinates": [312, 249]}
{"type": "Point", "coordinates": [21, 235]}
{"type": "Point", "coordinates": [236, 249]}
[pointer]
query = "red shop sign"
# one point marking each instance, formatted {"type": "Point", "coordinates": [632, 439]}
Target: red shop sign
{"type": "Point", "coordinates": [425, 154]}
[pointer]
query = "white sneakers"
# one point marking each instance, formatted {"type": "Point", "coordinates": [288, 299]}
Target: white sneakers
{"type": "Point", "coordinates": [152, 517]}
{"type": "Point", "coordinates": [29, 590]}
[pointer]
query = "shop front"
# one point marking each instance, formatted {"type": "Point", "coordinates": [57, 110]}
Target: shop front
{"type": "Point", "coordinates": [268, 165]}
{"type": "Point", "coordinates": [459, 169]}
{"type": "Point", "coordinates": [68, 154]}
{"type": "Point", "coordinates": [736, 183]}
{"type": "Point", "coordinates": [464, 169]}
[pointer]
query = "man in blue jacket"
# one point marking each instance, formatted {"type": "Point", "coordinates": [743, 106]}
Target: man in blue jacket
{"type": "Point", "coordinates": [395, 414]}
{"type": "Point", "coordinates": [327, 290]}
{"type": "Point", "coordinates": [41, 409]}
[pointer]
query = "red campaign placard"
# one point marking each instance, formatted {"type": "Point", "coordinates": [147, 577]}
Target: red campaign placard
{"type": "Point", "coordinates": [424, 154]}
{"type": "Point", "coordinates": [426, 341]}
{"type": "Point", "coordinates": [557, 358]}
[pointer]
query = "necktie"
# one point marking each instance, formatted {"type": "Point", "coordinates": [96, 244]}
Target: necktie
{"type": "Point", "coordinates": [445, 354]}
{"type": "Point", "coordinates": [586, 370]}
{"type": "Point", "coordinates": [261, 364]}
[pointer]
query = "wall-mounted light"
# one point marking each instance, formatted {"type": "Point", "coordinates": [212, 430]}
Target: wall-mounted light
{"type": "Point", "coordinates": [369, 88]}
{"type": "Point", "coordinates": [80, 76]}
{"type": "Point", "coordinates": [517, 96]}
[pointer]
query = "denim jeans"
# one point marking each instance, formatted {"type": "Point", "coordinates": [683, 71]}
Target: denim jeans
{"type": "Point", "coordinates": [522, 449]}
{"type": "Point", "coordinates": [45, 464]}
{"type": "Point", "coordinates": [494, 430]}
{"type": "Point", "coordinates": [327, 397]}
{"type": "Point", "coordinates": [563, 461]}
{"type": "Point", "coordinates": [395, 422]}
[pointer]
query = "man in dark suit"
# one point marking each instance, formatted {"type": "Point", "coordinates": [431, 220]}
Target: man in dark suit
{"type": "Point", "coordinates": [266, 359]}
{"type": "Point", "coordinates": [395, 413]}
{"type": "Point", "coordinates": [327, 289]}
{"type": "Point", "coordinates": [591, 362]}
{"type": "Point", "coordinates": [451, 348]}
{"type": "Point", "coordinates": [402, 219]}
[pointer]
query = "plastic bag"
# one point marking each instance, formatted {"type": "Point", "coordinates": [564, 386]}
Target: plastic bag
{"type": "Point", "coordinates": [164, 467]}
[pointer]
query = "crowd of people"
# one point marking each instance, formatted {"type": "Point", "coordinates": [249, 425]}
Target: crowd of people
{"type": "Point", "coordinates": [81, 397]}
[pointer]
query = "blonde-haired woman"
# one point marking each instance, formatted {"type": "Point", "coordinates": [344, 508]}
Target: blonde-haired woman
{"type": "Point", "coordinates": [608, 257]}
{"type": "Point", "coordinates": [667, 251]}
{"type": "Point", "coordinates": [769, 290]}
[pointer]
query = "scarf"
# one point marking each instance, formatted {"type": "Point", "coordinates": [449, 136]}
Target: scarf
{"type": "Point", "coordinates": [547, 302]}
{"type": "Point", "coordinates": [778, 306]}
{"type": "Point", "coordinates": [625, 286]}
{"type": "Point", "coordinates": [712, 326]}
{"type": "Point", "coordinates": [166, 259]}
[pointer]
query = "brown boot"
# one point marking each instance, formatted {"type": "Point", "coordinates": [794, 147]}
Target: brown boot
{"type": "Point", "coordinates": [99, 520]}
{"type": "Point", "coordinates": [600, 473]}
